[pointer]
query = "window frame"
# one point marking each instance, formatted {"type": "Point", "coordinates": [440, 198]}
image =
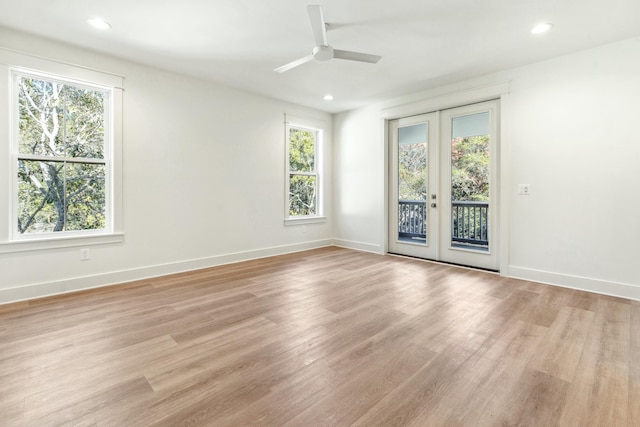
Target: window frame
{"type": "Point", "coordinates": [318, 132]}
{"type": "Point", "coordinates": [14, 64]}
{"type": "Point", "coordinates": [16, 156]}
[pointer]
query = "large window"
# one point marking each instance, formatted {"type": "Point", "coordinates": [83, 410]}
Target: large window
{"type": "Point", "coordinates": [303, 180]}
{"type": "Point", "coordinates": [62, 146]}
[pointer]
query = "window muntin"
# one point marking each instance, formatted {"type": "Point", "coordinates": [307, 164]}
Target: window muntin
{"type": "Point", "coordinates": [303, 181]}
{"type": "Point", "coordinates": [62, 157]}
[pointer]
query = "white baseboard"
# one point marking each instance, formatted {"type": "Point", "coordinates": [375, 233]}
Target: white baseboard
{"type": "Point", "coordinates": [75, 284]}
{"type": "Point", "coordinates": [360, 246]}
{"type": "Point", "coordinates": [615, 289]}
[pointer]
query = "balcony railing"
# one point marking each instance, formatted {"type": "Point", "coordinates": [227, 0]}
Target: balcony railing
{"type": "Point", "coordinates": [412, 224]}
{"type": "Point", "coordinates": [469, 223]}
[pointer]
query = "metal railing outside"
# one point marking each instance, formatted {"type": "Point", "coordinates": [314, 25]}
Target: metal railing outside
{"type": "Point", "coordinates": [469, 222]}
{"type": "Point", "coordinates": [412, 220]}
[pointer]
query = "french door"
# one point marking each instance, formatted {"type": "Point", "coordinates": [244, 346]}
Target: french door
{"type": "Point", "coordinates": [443, 185]}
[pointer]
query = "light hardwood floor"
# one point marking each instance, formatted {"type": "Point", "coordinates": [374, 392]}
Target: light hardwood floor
{"type": "Point", "coordinates": [329, 337]}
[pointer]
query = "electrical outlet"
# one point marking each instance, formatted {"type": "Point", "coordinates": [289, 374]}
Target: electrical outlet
{"type": "Point", "coordinates": [84, 254]}
{"type": "Point", "coordinates": [524, 189]}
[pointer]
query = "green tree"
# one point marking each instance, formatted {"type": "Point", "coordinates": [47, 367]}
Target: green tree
{"type": "Point", "coordinates": [470, 168]}
{"type": "Point", "coordinates": [412, 170]}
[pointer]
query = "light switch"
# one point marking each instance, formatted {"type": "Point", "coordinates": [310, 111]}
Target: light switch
{"type": "Point", "coordinates": [524, 189]}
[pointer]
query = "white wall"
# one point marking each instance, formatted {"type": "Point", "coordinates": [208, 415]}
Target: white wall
{"type": "Point", "coordinates": [571, 133]}
{"type": "Point", "coordinates": [203, 181]}
{"type": "Point", "coordinates": [359, 165]}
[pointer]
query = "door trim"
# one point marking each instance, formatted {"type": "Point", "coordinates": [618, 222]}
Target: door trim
{"type": "Point", "coordinates": [453, 99]}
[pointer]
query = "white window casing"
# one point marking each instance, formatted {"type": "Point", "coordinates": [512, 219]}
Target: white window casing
{"type": "Point", "coordinates": [15, 65]}
{"type": "Point", "coordinates": [317, 128]}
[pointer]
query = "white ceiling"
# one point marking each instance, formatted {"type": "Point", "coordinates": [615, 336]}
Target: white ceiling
{"type": "Point", "coordinates": [423, 43]}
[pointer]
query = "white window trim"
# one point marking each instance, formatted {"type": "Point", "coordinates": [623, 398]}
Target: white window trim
{"type": "Point", "coordinates": [318, 127]}
{"type": "Point", "coordinates": [302, 220]}
{"type": "Point", "coordinates": [12, 62]}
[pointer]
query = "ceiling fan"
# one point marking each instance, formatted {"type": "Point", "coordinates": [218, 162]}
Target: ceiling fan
{"type": "Point", "coordinates": [322, 51]}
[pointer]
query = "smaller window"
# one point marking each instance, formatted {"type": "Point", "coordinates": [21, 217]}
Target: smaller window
{"type": "Point", "coordinates": [303, 181]}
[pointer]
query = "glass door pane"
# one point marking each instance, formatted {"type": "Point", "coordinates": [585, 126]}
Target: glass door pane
{"type": "Point", "coordinates": [412, 183]}
{"type": "Point", "coordinates": [470, 167]}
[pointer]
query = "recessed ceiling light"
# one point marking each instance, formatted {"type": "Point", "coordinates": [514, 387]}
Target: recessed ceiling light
{"type": "Point", "coordinates": [99, 24]}
{"type": "Point", "coordinates": [541, 28]}
{"type": "Point", "coordinates": [328, 97]}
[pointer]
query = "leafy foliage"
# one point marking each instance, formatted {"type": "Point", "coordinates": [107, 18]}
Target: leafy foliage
{"type": "Point", "coordinates": [60, 125]}
{"type": "Point", "coordinates": [470, 168]}
{"type": "Point", "coordinates": [301, 150]}
{"type": "Point", "coordinates": [302, 195]}
{"type": "Point", "coordinates": [412, 170]}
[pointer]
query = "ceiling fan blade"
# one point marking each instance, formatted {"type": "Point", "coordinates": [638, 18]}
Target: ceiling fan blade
{"type": "Point", "coordinates": [294, 64]}
{"type": "Point", "coordinates": [318, 25]}
{"type": "Point", "coordinates": [355, 56]}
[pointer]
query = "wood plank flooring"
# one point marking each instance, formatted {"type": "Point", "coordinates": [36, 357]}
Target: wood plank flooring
{"type": "Point", "coordinates": [329, 337]}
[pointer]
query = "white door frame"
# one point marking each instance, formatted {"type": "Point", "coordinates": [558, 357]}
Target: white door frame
{"type": "Point", "coordinates": [438, 102]}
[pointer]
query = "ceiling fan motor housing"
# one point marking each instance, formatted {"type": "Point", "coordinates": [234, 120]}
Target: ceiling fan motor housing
{"type": "Point", "coordinates": [323, 53]}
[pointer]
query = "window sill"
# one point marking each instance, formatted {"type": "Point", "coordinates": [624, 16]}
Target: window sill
{"type": "Point", "coordinates": [305, 220]}
{"type": "Point", "coordinates": [59, 242]}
